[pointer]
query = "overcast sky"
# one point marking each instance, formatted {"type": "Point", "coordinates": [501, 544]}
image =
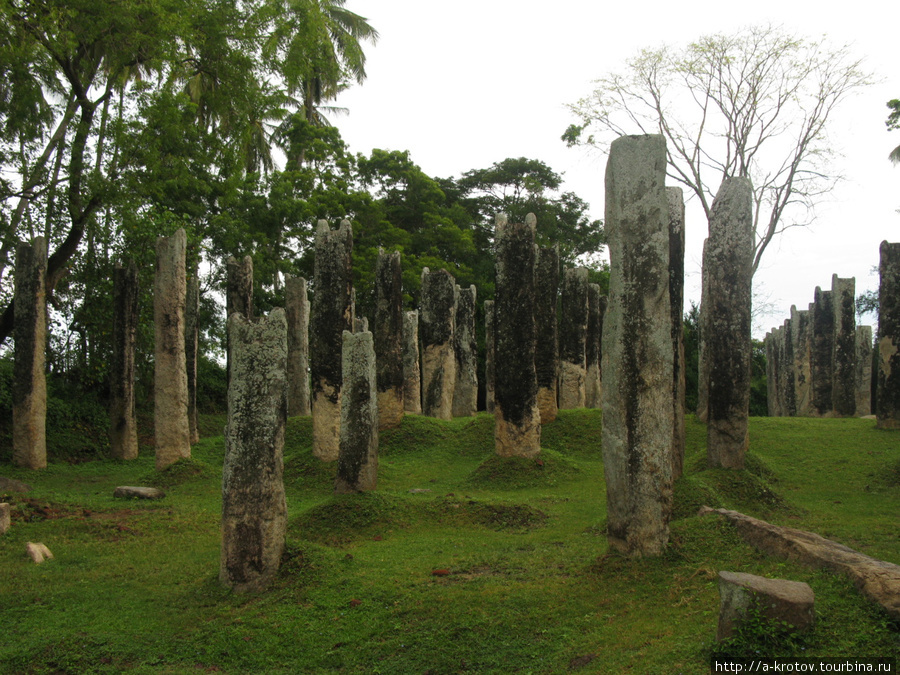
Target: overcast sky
{"type": "Point", "coordinates": [465, 84]}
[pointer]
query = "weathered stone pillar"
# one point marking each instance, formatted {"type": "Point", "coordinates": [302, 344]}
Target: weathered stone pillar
{"type": "Point", "coordinates": [592, 349]}
{"type": "Point", "coordinates": [412, 384]}
{"type": "Point", "coordinates": [123, 440]}
{"type": "Point", "coordinates": [675, 199]}
{"type": "Point", "coordinates": [786, 370]}
{"type": "Point", "coordinates": [572, 330]}
{"type": "Point", "coordinates": [29, 388]}
{"type": "Point", "coordinates": [437, 319]}
{"type": "Point", "coordinates": [637, 350]}
{"type": "Point", "coordinates": [822, 352]}
{"type": "Point", "coordinates": [191, 351]}
{"type": "Point", "coordinates": [490, 324]}
{"type": "Point", "coordinates": [863, 371]}
{"type": "Point", "coordinates": [843, 383]}
{"type": "Point", "coordinates": [887, 403]}
{"type": "Point", "coordinates": [358, 462]}
{"type": "Point", "coordinates": [238, 294]}
{"type": "Point", "coordinates": [171, 428]}
{"type": "Point", "coordinates": [296, 310]}
{"type": "Point", "coordinates": [330, 315]}
{"type": "Point", "coordinates": [771, 374]}
{"type": "Point", "coordinates": [800, 348]}
{"type": "Point", "coordinates": [388, 339]}
{"type": "Point", "coordinates": [546, 347]}
{"type": "Point", "coordinates": [703, 361]}
{"type": "Point", "coordinates": [465, 348]}
{"type": "Point", "coordinates": [517, 419]}
{"type": "Point", "coordinates": [730, 275]}
{"type": "Point", "coordinates": [254, 512]}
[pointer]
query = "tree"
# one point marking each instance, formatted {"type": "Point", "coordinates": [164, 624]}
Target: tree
{"type": "Point", "coordinates": [893, 122]}
{"type": "Point", "coordinates": [754, 104]}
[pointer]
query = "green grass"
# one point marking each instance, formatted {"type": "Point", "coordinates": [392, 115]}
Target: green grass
{"type": "Point", "coordinates": [526, 584]}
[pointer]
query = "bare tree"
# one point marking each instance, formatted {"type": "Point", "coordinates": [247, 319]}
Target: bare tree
{"type": "Point", "coordinates": [754, 104]}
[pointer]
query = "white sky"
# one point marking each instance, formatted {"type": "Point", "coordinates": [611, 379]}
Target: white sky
{"type": "Point", "coordinates": [465, 84]}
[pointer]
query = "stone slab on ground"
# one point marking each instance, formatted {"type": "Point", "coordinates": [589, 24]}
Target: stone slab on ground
{"type": "Point", "coordinates": [37, 552]}
{"type": "Point", "coordinates": [13, 485]}
{"type": "Point", "coordinates": [777, 600]}
{"type": "Point", "coordinates": [5, 518]}
{"type": "Point", "coordinates": [137, 492]}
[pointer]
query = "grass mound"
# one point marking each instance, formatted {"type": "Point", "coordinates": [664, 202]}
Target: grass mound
{"type": "Point", "coordinates": [575, 432]}
{"type": "Point", "coordinates": [183, 471]}
{"type": "Point", "coordinates": [499, 516]}
{"type": "Point", "coordinates": [690, 494]}
{"type": "Point", "coordinates": [347, 518]}
{"type": "Point", "coordinates": [510, 473]}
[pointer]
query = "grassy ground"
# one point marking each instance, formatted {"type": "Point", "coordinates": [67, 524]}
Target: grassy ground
{"type": "Point", "coordinates": [525, 582]}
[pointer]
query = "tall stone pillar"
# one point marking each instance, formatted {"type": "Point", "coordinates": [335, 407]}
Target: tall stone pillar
{"type": "Point", "coordinates": [254, 512]}
{"type": "Point", "coordinates": [412, 383]}
{"type": "Point", "coordinates": [123, 440]}
{"type": "Point", "coordinates": [517, 419]}
{"type": "Point", "coordinates": [592, 349]}
{"type": "Point", "coordinates": [490, 324]}
{"type": "Point", "coordinates": [822, 352]}
{"type": "Point", "coordinates": [192, 350]}
{"type": "Point", "coordinates": [703, 361]}
{"type": "Point", "coordinates": [29, 388]}
{"type": "Point", "coordinates": [238, 295]}
{"type": "Point", "coordinates": [863, 371]}
{"type": "Point", "coordinates": [786, 374]}
{"type": "Point", "coordinates": [675, 200]}
{"type": "Point", "coordinates": [171, 428]}
{"type": "Point", "coordinates": [843, 383]}
{"type": "Point", "coordinates": [730, 274]}
{"type": "Point", "coordinates": [800, 348]}
{"type": "Point", "coordinates": [465, 348]}
{"type": "Point", "coordinates": [887, 403]}
{"type": "Point", "coordinates": [388, 339]}
{"type": "Point", "coordinates": [437, 319]}
{"type": "Point", "coordinates": [572, 331]}
{"type": "Point", "coordinates": [296, 309]}
{"type": "Point", "coordinates": [331, 314]}
{"type": "Point", "coordinates": [358, 462]}
{"type": "Point", "coordinates": [637, 350]}
{"type": "Point", "coordinates": [546, 347]}
{"type": "Point", "coordinates": [771, 374]}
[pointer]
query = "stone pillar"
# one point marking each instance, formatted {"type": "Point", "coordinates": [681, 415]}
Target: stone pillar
{"type": "Point", "coordinates": [388, 339]}
{"type": "Point", "coordinates": [730, 275]}
{"type": "Point", "coordinates": [296, 310]}
{"type": "Point", "coordinates": [786, 367]}
{"type": "Point", "coordinates": [331, 314]}
{"type": "Point", "coordinates": [843, 383]}
{"type": "Point", "coordinates": [358, 462]}
{"type": "Point", "coordinates": [465, 348]}
{"type": "Point", "coordinates": [703, 362]}
{"type": "Point", "coordinates": [887, 403]}
{"type": "Point", "coordinates": [490, 324]}
{"type": "Point", "coordinates": [238, 294]}
{"type": "Point", "coordinates": [412, 384]}
{"type": "Point", "coordinates": [572, 329]}
{"type": "Point", "coordinates": [800, 348]}
{"type": "Point", "coordinates": [863, 371]}
{"type": "Point", "coordinates": [517, 419]}
{"type": "Point", "coordinates": [771, 374]}
{"type": "Point", "coordinates": [592, 349]}
{"type": "Point", "coordinates": [29, 389]}
{"type": "Point", "coordinates": [123, 440]}
{"type": "Point", "coordinates": [546, 347]}
{"type": "Point", "coordinates": [171, 428]}
{"type": "Point", "coordinates": [254, 512]}
{"type": "Point", "coordinates": [675, 199]}
{"type": "Point", "coordinates": [437, 318]}
{"type": "Point", "coordinates": [637, 350]}
{"type": "Point", "coordinates": [191, 351]}
{"type": "Point", "coordinates": [822, 352]}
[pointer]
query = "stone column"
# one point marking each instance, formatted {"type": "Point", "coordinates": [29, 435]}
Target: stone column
{"type": "Point", "coordinates": [546, 347]}
{"type": "Point", "coordinates": [517, 419]}
{"type": "Point", "coordinates": [465, 348]}
{"type": "Point", "coordinates": [331, 314]}
{"type": "Point", "coordinates": [637, 350]}
{"type": "Point", "coordinates": [887, 402]}
{"type": "Point", "coordinates": [490, 324]}
{"type": "Point", "coordinates": [437, 318]}
{"type": "Point", "coordinates": [171, 428]}
{"type": "Point", "coordinates": [388, 339]}
{"type": "Point", "coordinates": [863, 371]}
{"type": "Point", "coordinates": [238, 294]}
{"type": "Point", "coordinates": [592, 349]}
{"type": "Point", "coordinates": [412, 385]}
{"type": "Point", "coordinates": [572, 329]}
{"type": "Point", "coordinates": [254, 512]}
{"type": "Point", "coordinates": [191, 351]}
{"type": "Point", "coordinates": [822, 352]}
{"type": "Point", "coordinates": [675, 199]}
{"type": "Point", "coordinates": [358, 462]}
{"type": "Point", "coordinates": [771, 374]}
{"type": "Point", "coordinates": [843, 383]}
{"type": "Point", "coordinates": [800, 348]}
{"type": "Point", "coordinates": [29, 387]}
{"type": "Point", "coordinates": [703, 362]}
{"type": "Point", "coordinates": [123, 440]}
{"type": "Point", "coordinates": [786, 374]}
{"type": "Point", "coordinates": [296, 310]}
{"type": "Point", "coordinates": [730, 275]}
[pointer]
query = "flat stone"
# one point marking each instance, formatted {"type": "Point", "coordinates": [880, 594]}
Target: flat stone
{"type": "Point", "coordinates": [5, 520]}
{"type": "Point", "coordinates": [13, 485]}
{"type": "Point", "coordinates": [413, 491]}
{"type": "Point", "coordinates": [132, 492]}
{"type": "Point", "coordinates": [37, 552]}
{"type": "Point", "coordinates": [778, 600]}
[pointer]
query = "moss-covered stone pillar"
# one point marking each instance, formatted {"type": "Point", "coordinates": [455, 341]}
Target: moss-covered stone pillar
{"type": "Point", "coordinates": [254, 512]}
{"type": "Point", "coordinates": [465, 349]}
{"type": "Point", "coordinates": [843, 373]}
{"type": "Point", "coordinates": [703, 362]}
{"type": "Point", "coordinates": [786, 374]}
{"type": "Point", "coordinates": [822, 352]}
{"type": "Point", "coordinates": [675, 200]}
{"type": "Point", "coordinates": [863, 371]}
{"type": "Point", "coordinates": [358, 462]}
{"type": "Point", "coordinates": [771, 374]}
{"type": "Point", "coordinates": [296, 310]}
{"type": "Point", "coordinates": [546, 347]}
{"type": "Point", "coordinates": [191, 350]}
{"type": "Point", "coordinates": [887, 403]}
{"type": "Point", "coordinates": [489, 356]}
{"type": "Point", "coordinates": [572, 331]}
{"type": "Point", "coordinates": [517, 426]}
{"type": "Point", "coordinates": [238, 294]}
{"type": "Point", "coordinates": [592, 349]}
{"type": "Point", "coordinates": [437, 324]}
{"type": "Point", "coordinates": [412, 381]}
{"type": "Point", "coordinates": [800, 349]}
{"type": "Point", "coordinates": [123, 441]}
{"type": "Point", "coordinates": [388, 337]}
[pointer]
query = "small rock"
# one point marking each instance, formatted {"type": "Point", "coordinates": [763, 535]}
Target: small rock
{"type": "Point", "coordinates": [5, 520]}
{"type": "Point", "coordinates": [12, 485]}
{"type": "Point", "coordinates": [440, 573]}
{"type": "Point", "coordinates": [131, 492]}
{"type": "Point", "coordinates": [791, 602]}
{"type": "Point", "coordinates": [37, 552]}
{"type": "Point", "coordinates": [418, 491]}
